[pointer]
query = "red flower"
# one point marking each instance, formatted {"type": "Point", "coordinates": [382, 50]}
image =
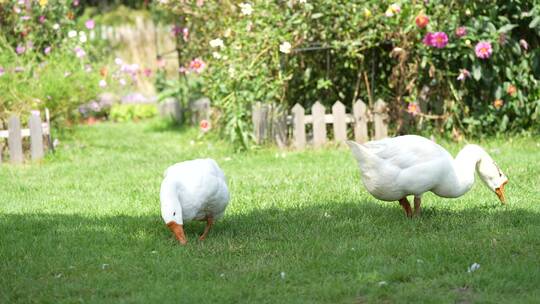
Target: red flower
{"type": "Point", "coordinates": [204, 125]}
{"type": "Point", "coordinates": [422, 20]}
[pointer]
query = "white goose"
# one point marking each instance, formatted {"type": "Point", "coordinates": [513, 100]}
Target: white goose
{"type": "Point", "coordinates": [193, 190]}
{"type": "Point", "coordinates": [394, 168]}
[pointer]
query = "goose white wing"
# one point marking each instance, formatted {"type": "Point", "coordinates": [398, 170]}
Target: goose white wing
{"type": "Point", "coordinates": [405, 151]}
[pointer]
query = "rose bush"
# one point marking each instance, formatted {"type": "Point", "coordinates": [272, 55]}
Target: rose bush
{"type": "Point", "coordinates": [451, 59]}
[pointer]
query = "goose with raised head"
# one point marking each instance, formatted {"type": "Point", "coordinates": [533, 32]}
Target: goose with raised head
{"type": "Point", "coordinates": [394, 168]}
{"type": "Point", "coordinates": [193, 190]}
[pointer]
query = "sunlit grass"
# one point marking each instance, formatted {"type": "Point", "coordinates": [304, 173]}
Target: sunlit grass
{"type": "Point", "coordinates": [84, 226]}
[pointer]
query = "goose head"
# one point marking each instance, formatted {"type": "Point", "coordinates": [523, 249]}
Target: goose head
{"type": "Point", "coordinates": [492, 176]}
{"type": "Point", "coordinates": [171, 213]}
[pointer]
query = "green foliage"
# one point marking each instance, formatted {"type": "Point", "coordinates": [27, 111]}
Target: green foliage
{"type": "Point", "coordinates": [60, 82]}
{"type": "Point", "coordinates": [86, 227]}
{"type": "Point", "coordinates": [366, 50]}
{"type": "Point", "coordinates": [128, 112]}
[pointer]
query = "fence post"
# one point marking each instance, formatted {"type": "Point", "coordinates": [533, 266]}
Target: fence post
{"type": "Point", "coordinates": [36, 136]}
{"type": "Point", "coordinates": [49, 131]}
{"type": "Point", "coordinates": [360, 115]}
{"type": "Point", "coordinates": [319, 125]}
{"type": "Point", "coordinates": [256, 118]}
{"type": "Point", "coordinates": [299, 126]}
{"type": "Point", "coordinates": [200, 109]}
{"type": "Point", "coordinates": [340, 125]}
{"type": "Point", "coordinates": [279, 126]}
{"type": "Point", "coordinates": [380, 119]}
{"type": "Point", "coordinates": [15, 140]}
{"type": "Point", "coordinates": [260, 115]}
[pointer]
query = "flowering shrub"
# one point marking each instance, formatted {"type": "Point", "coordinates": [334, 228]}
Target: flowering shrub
{"type": "Point", "coordinates": [48, 60]}
{"type": "Point", "coordinates": [461, 63]}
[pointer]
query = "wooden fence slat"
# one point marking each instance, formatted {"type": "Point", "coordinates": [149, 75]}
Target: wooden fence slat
{"type": "Point", "coordinates": [279, 126]}
{"type": "Point", "coordinates": [360, 114]}
{"type": "Point", "coordinates": [380, 119]}
{"type": "Point", "coordinates": [15, 140]}
{"type": "Point", "coordinates": [36, 136]}
{"type": "Point", "coordinates": [319, 125]}
{"type": "Point", "coordinates": [299, 126]}
{"type": "Point", "coordinates": [340, 125]}
{"type": "Point", "coordinates": [256, 118]}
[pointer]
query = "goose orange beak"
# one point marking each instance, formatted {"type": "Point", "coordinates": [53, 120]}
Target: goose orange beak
{"type": "Point", "coordinates": [178, 231]}
{"type": "Point", "coordinates": [500, 193]}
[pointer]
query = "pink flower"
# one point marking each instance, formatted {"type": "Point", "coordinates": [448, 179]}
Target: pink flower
{"type": "Point", "coordinates": [147, 72]}
{"type": "Point", "coordinates": [20, 49]}
{"type": "Point", "coordinates": [2, 71]}
{"type": "Point", "coordinates": [80, 53]}
{"type": "Point", "coordinates": [176, 30]}
{"type": "Point", "coordinates": [483, 49]}
{"type": "Point", "coordinates": [200, 3]}
{"type": "Point", "coordinates": [413, 108]}
{"type": "Point", "coordinates": [185, 32]}
{"type": "Point", "coordinates": [197, 65]}
{"type": "Point", "coordinates": [463, 74]}
{"type": "Point", "coordinates": [47, 50]}
{"type": "Point", "coordinates": [439, 40]}
{"type": "Point", "coordinates": [76, 3]}
{"type": "Point", "coordinates": [461, 31]}
{"type": "Point", "coordinates": [524, 44]}
{"type": "Point", "coordinates": [25, 18]}
{"type": "Point", "coordinates": [428, 39]}
{"type": "Point", "coordinates": [19, 69]}
{"type": "Point", "coordinates": [42, 19]}
{"type": "Point", "coordinates": [182, 70]}
{"type": "Point", "coordinates": [90, 24]}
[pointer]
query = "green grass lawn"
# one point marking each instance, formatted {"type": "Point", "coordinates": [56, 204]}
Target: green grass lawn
{"type": "Point", "coordinates": [85, 226]}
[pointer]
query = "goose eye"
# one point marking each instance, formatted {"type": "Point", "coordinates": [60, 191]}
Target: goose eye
{"type": "Point", "coordinates": [174, 213]}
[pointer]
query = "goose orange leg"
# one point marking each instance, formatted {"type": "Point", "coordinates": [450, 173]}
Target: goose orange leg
{"type": "Point", "coordinates": [404, 202]}
{"type": "Point", "coordinates": [417, 209]}
{"type": "Point", "coordinates": [209, 223]}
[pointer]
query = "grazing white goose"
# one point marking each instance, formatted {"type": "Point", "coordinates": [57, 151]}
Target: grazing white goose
{"type": "Point", "coordinates": [394, 168]}
{"type": "Point", "coordinates": [193, 190]}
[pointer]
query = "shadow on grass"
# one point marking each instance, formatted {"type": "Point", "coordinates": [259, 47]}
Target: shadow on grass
{"type": "Point", "coordinates": [136, 256]}
{"type": "Point", "coordinates": [323, 221]}
{"type": "Point", "coordinates": [165, 125]}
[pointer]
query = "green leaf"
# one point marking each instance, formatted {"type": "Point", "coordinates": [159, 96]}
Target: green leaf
{"type": "Point", "coordinates": [477, 72]}
{"type": "Point", "coordinates": [316, 16]}
{"type": "Point", "coordinates": [507, 28]}
{"type": "Point", "coordinates": [504, 124]}
{"type": "Point", "coordinates": [498, 92]}
{"type": "Point", "coordinates": [534, 22]}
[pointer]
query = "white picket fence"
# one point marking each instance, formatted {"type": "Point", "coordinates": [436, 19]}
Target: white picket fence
{"type": "Point", "coordinates": [15, 134]}
{"type": "Point", "coordinates": [272, 124]}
